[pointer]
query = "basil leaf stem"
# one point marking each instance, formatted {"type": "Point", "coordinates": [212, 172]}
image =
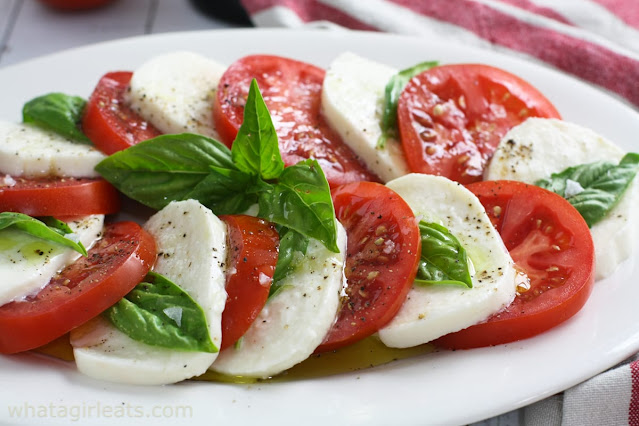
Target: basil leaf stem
{"type": "Point", "coordinates": [58, 112]}
{"type": "Point", "coordinates": [443, 261]}
{"type": "Point", "coordinates": [160, 313]}
{"type": "Point", "coordinates": [58, 232]}
{"type": "Point", "coordinates": [393, 90]}
{"type": "Point", "coordinates": [594, 188]}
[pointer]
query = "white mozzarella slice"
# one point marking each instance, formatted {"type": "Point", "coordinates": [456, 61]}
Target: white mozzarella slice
{"type": "Point", "coordinates": [28, 263]}
{"type": "Point", "coordinates": [433, 311]}
{"type": "Point", "coordinates": [192, 249]}
{"type": "Point", "coordinates": [539, 147]}
{"type": "Point", "coordinates": [295, 321]}
{"type": "Point", "coordinates": [29, 151]}
{"type": "Point", "coordinates": [175, 92]}
{"type": "Point", "coordinates": [352, 102]}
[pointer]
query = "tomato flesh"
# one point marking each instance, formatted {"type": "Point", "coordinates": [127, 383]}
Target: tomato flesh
{"type": "Point", "coordinates": [292, 93]}
{"type": "Point", "coordinates": [383, 251]}
{"type": "Point", "coordinates": [110, 124]}
{"type": "Point", "coordinates": [254, 245]}
{"type": "Point", "coordinates": [452, 117]}
{"type": "Point", "coordinates": [549, 241]}
{"type": "Point", "coordinates": [59, 196]}
{"type": "Point", "coordinates": [114, 265]}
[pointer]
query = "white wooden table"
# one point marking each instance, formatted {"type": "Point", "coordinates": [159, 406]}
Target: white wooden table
{"type": "Point", "coordinates": [28, 30]}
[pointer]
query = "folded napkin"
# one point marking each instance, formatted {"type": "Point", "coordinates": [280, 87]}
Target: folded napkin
{"type": "Point", "coordinates": [594, 40]}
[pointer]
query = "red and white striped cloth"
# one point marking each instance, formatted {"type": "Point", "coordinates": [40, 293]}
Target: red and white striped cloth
{"type": "Point", "coordinates": [594, 40]}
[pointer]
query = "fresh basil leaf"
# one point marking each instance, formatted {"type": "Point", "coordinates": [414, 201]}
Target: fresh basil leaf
{"type": "Point", "coordinates": [58, 112]}
{"type": "Point", "coordinates": [443, 259]}
{"type": "Point", "coordinates": [594, 188]}
{"type": "Point", "coordinates": [255, 149]}
{"type": "Point", "coordinates": [57, 225]}
{"type": "Point", "coordinates": [159, 313]}
{"type": "Point", "coordinates": [178, 167]}
{"type": "Point", "coordinates": [393, 90]}
{"type": "Point", "coordinates": [56, 233]}
{"type": "Point", "coordinates": [301, 200]}
{"type": "Point", "coordinates": [292, 245]}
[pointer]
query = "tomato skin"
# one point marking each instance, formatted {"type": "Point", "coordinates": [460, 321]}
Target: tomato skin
{"type": "Point", "coordinates": [292, 92]}
{"type": "Point", "coordinates": [254, 245]}
{"type": "Point", "coordinates": [383, 251]}
{"type": "Point", "coordinates": [116, 264]}
{"type": "Point", "coordinates": [550, 241]}
{"type": "Point", "coordinates": [108, 122]}
{"type": "Point", "coordinates": [59, 197]}
{"type": "Point", "coordinates": [452, 117]}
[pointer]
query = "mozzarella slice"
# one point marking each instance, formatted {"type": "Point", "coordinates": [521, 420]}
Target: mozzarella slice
{"type": "Point", "coordinates": [352, 102]}
{"type": "Point", "coordinates": [433, 311]}
{"type": "Point", "coordinates": [28, 263]}
{"type": "Point", "coordinates": [191, 243]}
{"type": "Point", "coordinates": [175, 93]}
{"type": "Point", "coordinates": [29, 151]}
{"type": "Point", "coordinates": [539, 147]}
{"type": "Point", "coordinates": [294, 322]}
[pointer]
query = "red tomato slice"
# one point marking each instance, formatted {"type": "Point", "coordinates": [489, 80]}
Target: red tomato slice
{"type": "Point", "coordinates": [452, 117]}
{"type": "Point", "coordinates": [549, 241]}
{"type": "Point", "coordinates": [292, 92]}
{"type": "Point", "coordinates": [254, 245]}
{"type": "Point", "coordinates": [384, 247]}
{"type": "Point", "coordinates": [108, 122]}
{"type": "Point", "coordinates": [115, 264]}
{"type": "Point", "coordinates": [59, 197]}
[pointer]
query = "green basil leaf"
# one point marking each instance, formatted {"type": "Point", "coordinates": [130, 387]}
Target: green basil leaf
{"type": "Point", "coordinates": [178, 167]}
{"type": "Point", "coordinates": [56, 233]}
{"type": "Point", "coordinates": [443, 259]}
{"type": "Point", "coordinates": [393, 90]}
{"type": "Point", "coordinates": [58, 112]}
{"type": "Point", "coordinates": [159, 313]}
{"type": "Point", "coordinates": [292, 246]}
{"type": "Point", "coordinates": [301, 200]}
{"type": "Point", "coordinates": [255, 149]}
{"type": "Point", "coordinates": [594, 188]}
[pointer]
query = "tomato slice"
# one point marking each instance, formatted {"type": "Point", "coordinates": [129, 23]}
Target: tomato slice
{"type": "Point", "coordinates": [110, 124]}
{"type": "Point", "coordinates": [452, 117]}
{"type": "Point", "coordinates": [549, 241]}
{"type": "Point", "coordinates": [59, 196]}
{"type": "Point", "coordinates": [383, 251]}
{"type": "Point", "coordinates": [292, 92]}
{"type": "Point", "coordinates": [115, 264]}
{"type": "Point", "coordinates": [254, 245]}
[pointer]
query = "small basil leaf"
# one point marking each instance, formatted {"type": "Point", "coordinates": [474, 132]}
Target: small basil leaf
{"type": "Point", "coordinates": [393, 90]}
{"type": "Point", "coordinates": [57, 225]}
{"type": "Point", "coordinates": [58, 112]}
{"type": "Point", "coordinates": [443, 259]}
{"type": "Point", "coordinates": [255, 149]}
{"type": "Point", "coordinates": [178, 167]}
{"type": "Point", "coordinates": [292, 245]}
{"type": "Point", "coordinates": [159, 313]}
{"type": "Point", "coordinates": [301, 200]}
{"type": "Point", "coordinates": [56, 233]}
{"type": "Point", "coordinates": [594, 188]}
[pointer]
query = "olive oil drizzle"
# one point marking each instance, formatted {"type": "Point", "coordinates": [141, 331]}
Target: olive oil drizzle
{"type": "Point", "coordinates": [366, 353]}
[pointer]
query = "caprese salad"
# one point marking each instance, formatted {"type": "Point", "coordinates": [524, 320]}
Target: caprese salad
{"type": "Point", "coordinates": [297, 211]}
